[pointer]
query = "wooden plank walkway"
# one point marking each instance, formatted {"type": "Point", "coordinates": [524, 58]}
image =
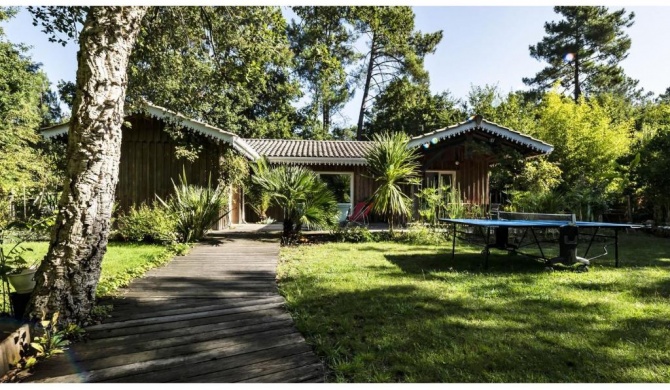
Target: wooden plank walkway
{"type": "Point", "coordinates": [211, 316]}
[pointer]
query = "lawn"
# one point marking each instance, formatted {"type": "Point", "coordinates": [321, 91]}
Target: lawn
{"type": "Point", "coordinates": [389, 312]}
{"type": "Point", "coordinates": [122, 262]}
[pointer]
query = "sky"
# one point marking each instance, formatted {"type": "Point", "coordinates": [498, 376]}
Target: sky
{"type": "Point", "coordinates": [480, 45]}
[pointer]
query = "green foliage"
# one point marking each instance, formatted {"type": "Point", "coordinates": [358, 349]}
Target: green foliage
{"type": "Point", "coordinates": [393, 50]}
{"type": "Point", "coordinates": [455, 204]}
{"type": "Point", "coordinates": [195, 208]}
{"type": "Point", "coordinates": [323, 47]}
{"type": "Point", "coordinates": [597, 40]}
{"type": "Point", "coordinates": [227, 66]}
{"type": "Point", "coordinates": [133, 265]}
{"type": "Point", "coordinates": [586, 143]}
{"type": "Point", "coordinates": [391, 164]}
{"type": "Point", "coordinates": [24, 167]}
{"type": "Point", "coordinates": [538, 202]}
{"type": "Point", "coordinates": [53, 341]}
{"type": "Point", "coordinates": [147, 224]}
{"type": "Point", "coordinates": [258, 199]}
{"type": "Point", "coordinates": [651, 171]}
{"type": "Point", "coordinates": [302, 195]}
{"type": "Point", "coordinates": [411, 108]}
{"type": "Point", "coordinates": [179, 248]}
{"type": "Point", "coordinates": [391, 312]}
{"type": "Point", "coordinates": [353, 234]}
{"type": "Point", "coordinates": [233, 168]}
{"type": "Point", "coordinates": [539, 176]}
{"type": "Point", "coordinates": [422, 235]}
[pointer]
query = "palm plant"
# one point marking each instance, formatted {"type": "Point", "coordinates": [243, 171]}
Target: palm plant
{"type": "Point", "coordinates": [302, 195]}
{"type": "Point", "coordinates": [195, 208]}
{"type": "Point", "coordinates": [392, 164]}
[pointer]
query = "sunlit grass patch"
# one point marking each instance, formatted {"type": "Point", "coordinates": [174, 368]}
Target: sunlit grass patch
{"type": "Point", "coordinates": [387, 312]}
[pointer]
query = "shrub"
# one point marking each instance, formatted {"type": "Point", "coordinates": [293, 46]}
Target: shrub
{"type": "Point", "coordinates": [422, 235]}
{"type": "Point", "coordinates": [353, 234]}
{"type": "Point", "coordinates": [147, 224]}
{"type": "Point", "coordinates": [302, 195]}
{"type": "Point", "coordinates": [195, 208]}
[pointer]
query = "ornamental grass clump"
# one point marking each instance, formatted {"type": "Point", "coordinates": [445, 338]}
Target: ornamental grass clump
{"type": "Point", "coordinates": [195, 208]}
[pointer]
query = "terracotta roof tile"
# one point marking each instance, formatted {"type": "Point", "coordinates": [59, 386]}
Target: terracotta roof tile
{"type": "Point", "coordinates": [309, 148]}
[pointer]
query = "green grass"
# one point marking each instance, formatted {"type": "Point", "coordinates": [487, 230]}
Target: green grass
{"type": "Point", "coordinates": [388, 312]}
{"type": "Point", "coordinates": [122, 262]}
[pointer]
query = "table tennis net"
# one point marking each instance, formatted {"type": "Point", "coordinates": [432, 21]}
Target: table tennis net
{"type": "Point", "coordinates": [514, 216]}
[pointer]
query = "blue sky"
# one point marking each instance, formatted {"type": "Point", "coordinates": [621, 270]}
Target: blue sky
{"type": "Point", "coordinates": [481, 45]}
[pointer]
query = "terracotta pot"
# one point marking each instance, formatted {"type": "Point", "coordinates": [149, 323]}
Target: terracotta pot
{"type": "Point", "coordinates": [23, 282]}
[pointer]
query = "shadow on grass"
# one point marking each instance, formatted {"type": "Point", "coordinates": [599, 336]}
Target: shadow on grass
{"type": "Point", "coordinates": [441, 261]}
{"type": "Point", "coordinates": [506, 324]}
{"type": "Point", "coordinates": [399, 334]}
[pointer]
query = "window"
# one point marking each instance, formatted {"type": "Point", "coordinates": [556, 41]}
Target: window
{"type": "Point", "coordinates": [440, 179]}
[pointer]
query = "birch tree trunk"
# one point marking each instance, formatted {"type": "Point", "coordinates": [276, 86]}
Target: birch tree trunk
{"type": "Point", "coordinates": [68, 276]}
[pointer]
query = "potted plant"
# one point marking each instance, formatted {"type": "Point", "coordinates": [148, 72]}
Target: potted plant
{"type": "Point", "coordinates": [16, 270]}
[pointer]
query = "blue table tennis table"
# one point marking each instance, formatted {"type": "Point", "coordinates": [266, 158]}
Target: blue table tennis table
{"type": "Point", "coordinates": [568, 236]}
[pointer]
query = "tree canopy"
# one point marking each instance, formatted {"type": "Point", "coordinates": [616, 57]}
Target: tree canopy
{"type": "Point", "coordinates": [322, 43]}
{"type": "Point", "coordinates": [22, 110]}
{"type": "Point", "coordinates": [394, 50]}
{"type": "Point", "coordinates": [583, 50]}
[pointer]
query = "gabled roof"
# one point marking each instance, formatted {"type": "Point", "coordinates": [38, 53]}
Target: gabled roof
{"type": "Point", "coordinates": [327, 152]}
{"type": "Point", "coordinates": [165, 114]}
{"type": "Point", "coordinates": [311, 151]}
{"type": "Point", "coordinates": [478, 124]}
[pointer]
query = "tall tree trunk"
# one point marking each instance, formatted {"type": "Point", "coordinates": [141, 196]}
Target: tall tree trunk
{"type": "Point", "coordinates": [578, 87]}
{"type": "Point", "coordinates": [68, 276]}
{"type": "Point", "coordinates": [326, 118]}
{"type": "Point", "coordinates": [366, 90]}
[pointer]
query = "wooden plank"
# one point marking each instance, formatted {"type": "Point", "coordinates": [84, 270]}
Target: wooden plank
{"type": "Point", "coordinates": [170, 309]}
{"type": "Point", "coordinates": [268, 314]}
{"type": "Point", "coordinates": [206, 367]}
{"type": "Point", "coordinates": [180, 317]}
{"type": "Point", "coordinates": [180, 337]}
{"type": "Point", "coordinates": [260, 369]}
{"type": "Point", "coordinates": [182, 361]}
{"type": "Point", "coordinates": [298, 374]}
{"type": "Point", "coordinates": [214, 314]}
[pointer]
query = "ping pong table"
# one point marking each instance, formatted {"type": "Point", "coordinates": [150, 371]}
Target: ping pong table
{"type": "Point", "coordinates": [567, 225]}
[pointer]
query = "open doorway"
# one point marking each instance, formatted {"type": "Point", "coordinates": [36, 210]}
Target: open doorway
{"type": "Point", "coordinates": [342, 185]}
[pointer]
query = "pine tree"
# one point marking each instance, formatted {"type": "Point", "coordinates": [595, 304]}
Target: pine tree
{"type": "Point", "coordinates": [583, 50]}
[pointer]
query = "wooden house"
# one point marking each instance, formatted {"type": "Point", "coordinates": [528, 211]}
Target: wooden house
{"type": "Point", "coordinates": [459, 155]}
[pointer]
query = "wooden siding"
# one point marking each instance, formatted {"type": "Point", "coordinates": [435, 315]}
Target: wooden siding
{"type": "Point", "coordinates": [149, 164]}
{"type": "Point", "coordinates": [472, 172]}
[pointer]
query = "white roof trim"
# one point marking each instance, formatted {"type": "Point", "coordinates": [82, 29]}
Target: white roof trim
{"type": "Point", "coordinates": [56, 131]}
{"type": "Point", "coordinates": [318, 160]}
{"type": "Point", "coordinates": [487, 127]}
{"type": "Point", "coordinates": [163, 113]}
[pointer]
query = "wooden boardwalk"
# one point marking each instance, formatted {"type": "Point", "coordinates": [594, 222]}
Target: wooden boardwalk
{"type": "Point", "coordinates": [211, 316]}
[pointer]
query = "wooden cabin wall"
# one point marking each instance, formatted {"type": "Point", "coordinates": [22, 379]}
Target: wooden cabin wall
{"type": "Point", "coordinates": [149, 164]}
{"type": "Point", "coordinates": [472, 172]}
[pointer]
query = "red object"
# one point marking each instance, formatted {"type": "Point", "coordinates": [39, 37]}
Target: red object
{"type": "Point", "coordinates": [360, 213]}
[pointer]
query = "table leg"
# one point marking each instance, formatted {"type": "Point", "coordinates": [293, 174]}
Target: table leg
{"type": "Point", "coordinates": [591, 242]}
{"type": "Point", "coordinates": [486, 248]}
{"type": "Point", "coordinates": [453, 244]}
{"type": "Point", "coordinates": [616, 248]}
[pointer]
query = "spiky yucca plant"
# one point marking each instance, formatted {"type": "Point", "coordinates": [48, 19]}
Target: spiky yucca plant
{"type": "Point", "coordinates": [391, 164]}
{"type": "Point", "coordinates": [302, 195]}
{"type": "Point", "coordinates": [196, 208]}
